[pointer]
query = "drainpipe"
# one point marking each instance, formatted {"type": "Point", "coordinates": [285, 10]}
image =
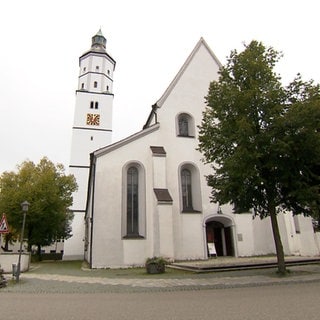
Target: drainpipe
{"type": "Point", "coordinates": [235, 240]}
{"type": "Point", "coordinates": [205, 247]}
{"type": "Point", "coordinates": [93, 178]}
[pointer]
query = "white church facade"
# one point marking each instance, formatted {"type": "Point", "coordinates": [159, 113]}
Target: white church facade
{"type": "Point", "coordinates": [148, 196]}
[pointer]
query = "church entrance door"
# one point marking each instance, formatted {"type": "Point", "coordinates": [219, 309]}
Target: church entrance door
{"type": "Point", "coordinates": [219, 238]}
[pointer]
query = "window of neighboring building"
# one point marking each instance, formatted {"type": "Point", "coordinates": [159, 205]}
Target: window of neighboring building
{"type": "Point", "coordinates": [132, 201]}
{"type": "Point", "coordinates": [95, 84]}
{"type": "Point", "coordinates": [185, 125]}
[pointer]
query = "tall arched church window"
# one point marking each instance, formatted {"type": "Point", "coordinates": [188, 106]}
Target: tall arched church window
{"type": "Point", "coordinates": [133, 222]}
{"type": "Point", "coordinates": [132, 201]}
{"type": "Point", "coordinates": [186, 188]}
{"type": "Point", "coordinates": [190, 189]}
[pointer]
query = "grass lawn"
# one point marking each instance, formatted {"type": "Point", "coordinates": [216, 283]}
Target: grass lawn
{"type": "Point", "coordinates": [79, 268]}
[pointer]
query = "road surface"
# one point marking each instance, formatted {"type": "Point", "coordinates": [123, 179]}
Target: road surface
{"type": "Point", "coordinates": [290, 301]}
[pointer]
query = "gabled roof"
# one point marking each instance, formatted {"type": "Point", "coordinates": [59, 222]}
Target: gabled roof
{"type": "Point", "coordinates": [167, 92]}
{"type": "Point", "coordinates": [151, 126]}
{"type": "Point", "coordinates": [124, 141]}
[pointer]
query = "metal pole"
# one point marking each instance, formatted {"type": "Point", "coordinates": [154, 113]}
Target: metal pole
{"type": "Point", "coordinates": [24, 206]}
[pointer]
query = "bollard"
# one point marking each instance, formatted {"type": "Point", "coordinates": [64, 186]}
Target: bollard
{"type": "Point", "coordinates": [14, 269]}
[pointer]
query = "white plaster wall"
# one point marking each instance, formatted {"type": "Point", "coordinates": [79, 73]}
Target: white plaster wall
{"type": "Point", "coordinates": [102, 77]}
{"type": "Point", "coordinates": [302, 243]}
{"type": "Point", "coordinates": [187, 96]}
{"type": "Point", "coordinates": [308, 243]}
{"type": "Point", "coordinates": [79, 197]}
{"type": "Point", "coordinates": [244, 234]}
{"type": "Point", "coordinates": [82, 107]}
{"type": "Point", "coordinates": [7, 259]}
{"type": "Point", "coordinates": [134, 252]}
{"type": "Point", "coordinates": [108, 212]}
{"type": "Point", "coordinates": [109, 247]}
{"type": "Point", "coordinates": [263, 237]}
{"type": "Point", "coordinates": [317, 241]}
{"type": "Point", "coordinates": [74, 246]}
{"type": "Point", "coordinates": [159, 172]}
{"type": "Point", "coordinates": [166, 231]}
{"type": "Point", "coordinates": [192, 241]}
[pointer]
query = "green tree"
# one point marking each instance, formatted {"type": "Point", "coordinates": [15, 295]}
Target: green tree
{"type": "Point", "coordinates": [262, 139]}
{"type": "Point", "coordinates": [49, 192]}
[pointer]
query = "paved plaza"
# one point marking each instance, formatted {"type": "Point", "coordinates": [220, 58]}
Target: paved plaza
{"type": "Point", "coordinates": [45, 278]}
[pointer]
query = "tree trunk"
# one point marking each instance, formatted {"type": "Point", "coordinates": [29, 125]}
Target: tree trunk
{"type": "Point", "coordinates": [277, 240]}
{"type": "Point", "coordinates": [6, 243]}
{"type": "Point", "coordinates": [39, 252]}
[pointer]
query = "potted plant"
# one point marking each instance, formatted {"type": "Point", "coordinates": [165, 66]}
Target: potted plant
{"type": "Point", "coordinates": [155, 265]}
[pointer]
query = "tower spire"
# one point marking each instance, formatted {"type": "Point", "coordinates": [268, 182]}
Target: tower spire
{"type": "Point", "coordinates": [99, 41]}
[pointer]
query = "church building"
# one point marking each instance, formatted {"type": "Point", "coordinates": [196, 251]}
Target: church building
{"type": "Point", "coordinates": [147, 194]}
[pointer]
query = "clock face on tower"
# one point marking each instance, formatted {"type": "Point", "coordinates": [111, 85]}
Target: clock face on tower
{"type": "Point", "coordinates": [93, 119]}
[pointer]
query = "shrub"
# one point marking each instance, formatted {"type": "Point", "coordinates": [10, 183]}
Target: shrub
{"type": "Point", "coordinates": [156, 265]}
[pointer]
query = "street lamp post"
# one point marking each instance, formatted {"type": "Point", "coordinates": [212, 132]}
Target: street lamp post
{"type": "Point", "coordinates": [25, 207]}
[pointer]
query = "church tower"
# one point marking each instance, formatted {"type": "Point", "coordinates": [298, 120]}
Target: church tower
{"type": "Point", "coordinates": [92, 129]}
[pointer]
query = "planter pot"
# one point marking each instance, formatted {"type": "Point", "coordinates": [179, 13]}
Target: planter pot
{"type": "Point", "coordinates": [154, 267]}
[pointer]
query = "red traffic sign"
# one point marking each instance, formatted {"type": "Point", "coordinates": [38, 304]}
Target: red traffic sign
{"type": "Point", "coordinates": [4, 224]}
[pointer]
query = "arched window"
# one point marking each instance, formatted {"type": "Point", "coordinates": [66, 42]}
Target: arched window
{"type": "Point", "coordinates": [133, 222]}
{"type": "Point", "coordinates": [95, 84]}
{"type": "Point", "coordinates": [186, 188]}
{"type": "Point", "coordinates": [183, 125]}
{"type": "Point", "coordinates": [132, 201]}
{"type": "Point", "coordinates": [96, 105]}
{"type": "Point", "coordinates": [190, 189]}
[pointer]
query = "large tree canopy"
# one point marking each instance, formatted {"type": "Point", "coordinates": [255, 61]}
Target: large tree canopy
{"type": "Point", "coordinates": [49, 192]}
{"type": "Point", "coordinates": [262, 139]}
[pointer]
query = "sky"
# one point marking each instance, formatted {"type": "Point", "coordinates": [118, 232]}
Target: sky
{"type": "Point", "coordinates": [41, 42]}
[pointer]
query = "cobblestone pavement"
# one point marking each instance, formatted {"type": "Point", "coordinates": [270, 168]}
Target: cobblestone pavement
{"type": "Point", "coordinates": [33, 282]}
